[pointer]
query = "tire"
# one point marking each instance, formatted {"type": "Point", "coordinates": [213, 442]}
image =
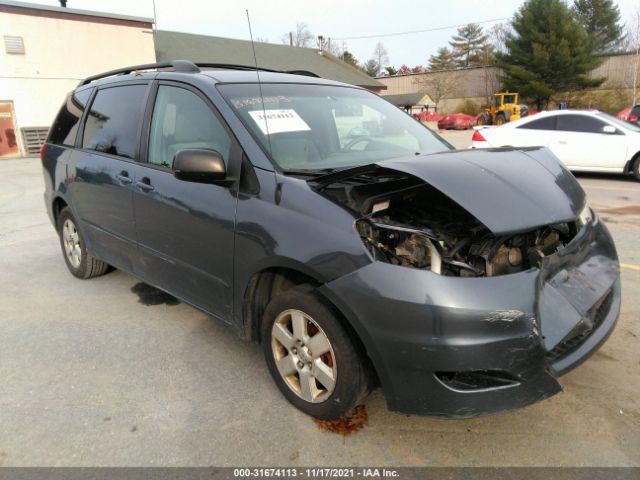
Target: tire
{"type": "Point", "coordinates": [340, 361]}
{"type": "Point", "coordinates": [484, 119]}
{"type": "Point", "coordinates": [635, 168]}
{"type": "Point", "coordinates": [79, 262]}
{"type": "Point", "coordinates": [501, 119]}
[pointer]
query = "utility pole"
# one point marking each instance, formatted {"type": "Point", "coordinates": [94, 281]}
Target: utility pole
{"type": "Point", "coordinates": [291, 39]}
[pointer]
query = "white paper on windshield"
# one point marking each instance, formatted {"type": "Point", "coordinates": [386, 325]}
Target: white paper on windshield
{"type": "Point", "coordinates": [279, 121]}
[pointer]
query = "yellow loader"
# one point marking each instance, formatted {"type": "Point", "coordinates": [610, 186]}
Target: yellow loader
{"type": "Point", "coordinates": [506, 109]}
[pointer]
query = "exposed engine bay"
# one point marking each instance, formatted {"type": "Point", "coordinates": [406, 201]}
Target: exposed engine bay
{"type": "Point", "coordinates": [409, 223]}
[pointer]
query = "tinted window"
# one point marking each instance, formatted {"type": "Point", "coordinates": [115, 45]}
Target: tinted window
{"type": "Point", "coordinates": [114, 119]}
{"type": "Point", "coordinates": [547, 123]}
{"type": "Point", "coordinates": [579, 123]}
{"type": "Point", "coordinates": [65, 127]}
{"type": "Point", "coordinates": [183, 120]}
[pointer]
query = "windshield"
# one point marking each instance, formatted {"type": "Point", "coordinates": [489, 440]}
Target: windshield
{"type": "Point", "coordinates": [320, 127]}
{"type": "Point", "coordinates": [620, 123]}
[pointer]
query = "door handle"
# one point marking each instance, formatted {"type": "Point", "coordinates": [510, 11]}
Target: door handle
{"type": "Point", "coordinates": [144, 184]}
{"type": "Point", "coordinates": [124, 178]}
{"type": "Point", "coordinates": [562, 142]}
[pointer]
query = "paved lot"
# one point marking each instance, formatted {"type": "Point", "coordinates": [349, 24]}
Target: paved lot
{"type": "Point", "coordinates": [90, 376]}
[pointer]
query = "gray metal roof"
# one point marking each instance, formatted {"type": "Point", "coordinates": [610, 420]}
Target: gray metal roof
{"type": "Point", "coordinates": [74, 11]}
{"type": "Point", "coordinates": [406, 99]}
{"type": "Point", "coordinates": [203, 48]}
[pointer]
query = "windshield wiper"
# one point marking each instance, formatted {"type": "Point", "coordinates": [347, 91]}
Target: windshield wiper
{"type": "Point", "coordinates": [311, 172]}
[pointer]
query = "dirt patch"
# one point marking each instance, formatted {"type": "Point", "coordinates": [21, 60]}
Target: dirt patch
{"type": "Point", "coordinates": [148, 295]}
{"type": "Point", "coordinates": [628, 210]}
{"type": "Point", "coordinates": [347, 424]}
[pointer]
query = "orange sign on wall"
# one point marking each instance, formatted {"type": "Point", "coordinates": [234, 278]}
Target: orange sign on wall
{"type": "Point", "coordinates": [8, 138]}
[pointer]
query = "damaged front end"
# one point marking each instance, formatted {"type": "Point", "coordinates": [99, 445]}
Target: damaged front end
{"type": "Point", "coordinates": [484, 285]}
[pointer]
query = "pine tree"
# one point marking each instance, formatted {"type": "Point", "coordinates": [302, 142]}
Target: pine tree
{"type": "Point", "coordinates": [467, 45]}
{"type": "Point", "coordinates": [442, 60]}
{"type": "Point", "coordinates": [548, 51]}
{"type": "Point", "coordinates": [601, 20]}
{"type": "Point", "coordinates": [349, 58]}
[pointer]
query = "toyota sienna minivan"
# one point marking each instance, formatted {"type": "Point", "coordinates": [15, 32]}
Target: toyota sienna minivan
{"type": "Point", "coordinates": [349, 240]}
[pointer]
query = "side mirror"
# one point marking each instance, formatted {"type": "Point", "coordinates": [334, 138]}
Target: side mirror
{"type": "Point", "coordinates": [609, 129]}
{"type": "Point", "coordinates": [199, 165]}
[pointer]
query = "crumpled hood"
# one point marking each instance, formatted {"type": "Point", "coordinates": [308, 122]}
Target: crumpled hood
{"type": "Point", "coordinates": [507, 190]}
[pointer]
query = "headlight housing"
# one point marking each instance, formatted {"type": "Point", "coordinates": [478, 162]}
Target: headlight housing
{"type": "Point", "coordinates": [585, 216]}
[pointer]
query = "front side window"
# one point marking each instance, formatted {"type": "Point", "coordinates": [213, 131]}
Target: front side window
{"type": "Point", "coordinates": [546, 123]}
{"type": "Point", "coordinates": [320, 127]}
{"type": "Point", "coordinates": [114, 120]}
{"type": "Point", "coordinates": [182, 120]}
{"type": "Point", "coordinates": [579, 123]}
{"type": "Point", "coordinates": [65, 127]}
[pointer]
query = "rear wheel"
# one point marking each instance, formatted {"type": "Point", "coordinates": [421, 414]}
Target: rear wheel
{"type": "Point", "coordinates": [635, 168]}
{"type": "Point", "coordinates": [311, 356]}
{"type": "Point", "coordinates": [501, 119]}
{"type": "Point", "coordinates": [79, 262]}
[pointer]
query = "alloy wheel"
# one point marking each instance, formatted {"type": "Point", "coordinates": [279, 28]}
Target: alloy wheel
{"type": "Point", "coordinates": [71, 241]}
{"type": "Point", "coordinates": [303, 356]}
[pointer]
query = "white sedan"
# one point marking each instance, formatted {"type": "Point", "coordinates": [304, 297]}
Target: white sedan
{"type": "Point", "coordinates": [587, 141]}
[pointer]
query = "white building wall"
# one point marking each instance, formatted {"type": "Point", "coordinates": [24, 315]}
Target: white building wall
{"type": "Point", "coordinates": [58, 54]}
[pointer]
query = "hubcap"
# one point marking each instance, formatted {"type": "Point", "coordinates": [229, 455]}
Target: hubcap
{"type": "Point", "coordinates": [71, 241]}
{"type": "Point", "coordinates": [304, 356]}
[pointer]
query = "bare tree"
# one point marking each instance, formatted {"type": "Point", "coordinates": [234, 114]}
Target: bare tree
{"type": "Point", "coordinates": [301, 37]}
{"type": "Point", "coordinates": [381, 56]}
{"type": "Point", "coordinates": [438, 85]}
{"type": "Point", "coordinates": [498, 37]}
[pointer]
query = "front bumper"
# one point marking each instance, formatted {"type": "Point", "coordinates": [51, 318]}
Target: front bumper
{"type": "Point", "coordinates": [461, 347]}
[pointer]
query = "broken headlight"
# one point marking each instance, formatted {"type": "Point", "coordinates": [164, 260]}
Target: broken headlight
{"type": "Point", "coordinates": [585, 217]}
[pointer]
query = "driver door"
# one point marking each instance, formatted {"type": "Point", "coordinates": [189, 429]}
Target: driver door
{"type": "Point", "coordinates": [186, 230]}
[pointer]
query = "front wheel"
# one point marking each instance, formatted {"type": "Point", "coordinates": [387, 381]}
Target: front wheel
{"type": "Point", "coordinates": [79, 262]}
{"type": "Point", "coordinates": [311, 356]}
{"type": "Point", "coordinates": [484, 119]}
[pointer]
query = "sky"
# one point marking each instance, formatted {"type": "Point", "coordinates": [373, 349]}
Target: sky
{"type": "Point", "coordinates": [337, 19]}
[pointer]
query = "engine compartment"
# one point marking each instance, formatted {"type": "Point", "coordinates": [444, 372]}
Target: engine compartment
{"type": "Point", "coordinates": [404, 221]}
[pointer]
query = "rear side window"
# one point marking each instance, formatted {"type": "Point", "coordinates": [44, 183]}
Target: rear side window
{"type": "Point", "coordinates": [547, 123]}
{"type": "Point", "coordinates": [579, 123]}
{"type": "Point", "coordinates": [114, 120]}
{"type": "Point", "coordinates": [65, 127]}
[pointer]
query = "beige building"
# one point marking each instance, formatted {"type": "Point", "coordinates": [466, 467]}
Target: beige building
{"type": "Point", "coordinates": [45, 51]}
{"type": "Point", "coordinates": [451, 88]}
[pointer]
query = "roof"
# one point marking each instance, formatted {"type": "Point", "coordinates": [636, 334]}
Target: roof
{"type": "Point", "coordinates": [408, 99]}
{"type": "Point", "coordinates": [48, 10]}
{"type": "Point", "coordinates": [204, 48]}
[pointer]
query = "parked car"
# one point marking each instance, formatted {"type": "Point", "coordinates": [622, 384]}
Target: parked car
{"type": "Point", "coordinates": [631, 114]}
{"type": "Point", "coordinates": [585, 141]}
{"type": "Point", "coordinates": [456, 121]}
{"type": "Point", "coordinates": [351, 241]}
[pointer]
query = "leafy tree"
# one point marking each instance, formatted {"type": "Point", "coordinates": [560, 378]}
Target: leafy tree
{"type": "Point", "coordinates": [548, 51]}
{"type": "Point", "coordinates": [418, 69]}
{"type": "Point", "coordinates": [467, 45]}
{"type": "Point", "coordinates": [404, 70]}
{"type": "Point", "coordinates": [391, 71]}
{"type": "Point", "coordinates": [349, 58]}
{"type": "Point", "coordinates": [301, 37]}
{"type": "Point", "coordinates": [442, 60]}
{"type": "Point", "coordinates": [601, 20]}
{"type": "Point", "coordinates": [381, 56]}
{"type": "Point", "coordinates": [371, 67]}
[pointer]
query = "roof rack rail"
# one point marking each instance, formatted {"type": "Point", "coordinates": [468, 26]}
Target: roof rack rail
{"type": "Point", "coordinates": [177, 65]}
{"type": "Point", "coordinates": [232, 66]}
{"type": "Point", "coordinates": [185, 66]}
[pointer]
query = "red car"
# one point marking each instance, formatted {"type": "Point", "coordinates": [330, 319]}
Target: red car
{"type": "Point", "coordinates": [456, 121]}
{"type": "Point", "coordinates": [631, 114]}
